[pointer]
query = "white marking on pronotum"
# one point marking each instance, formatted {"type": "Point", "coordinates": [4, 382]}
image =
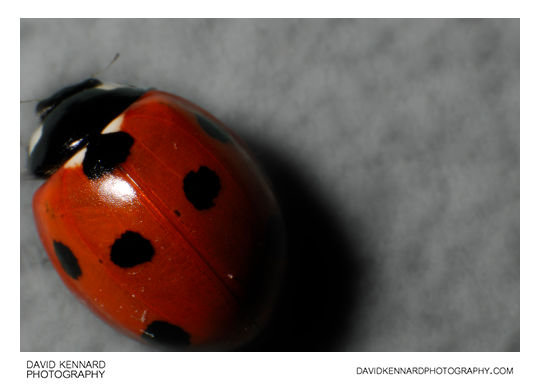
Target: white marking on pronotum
{"type": "Point", "coordinates": [143, 317]}
{"type": "Point", "coordinates": [115, 125]}
{"type": "Point", "coordinates": [110, 86]}
{"type": "Point", "coordinates": [76, 160]}
{"type": "Point", "coordinates": [35, 138]}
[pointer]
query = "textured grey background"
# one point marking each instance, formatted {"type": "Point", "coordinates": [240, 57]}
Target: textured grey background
{"type": "Point", "coordinates": [393, 146]}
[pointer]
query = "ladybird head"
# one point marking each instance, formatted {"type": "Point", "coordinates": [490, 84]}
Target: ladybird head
{"type": "Point", "coordinates": [71, 117]}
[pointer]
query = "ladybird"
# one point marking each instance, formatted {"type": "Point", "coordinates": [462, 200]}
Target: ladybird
{"type": "Point", "coordinates": [155, 215]}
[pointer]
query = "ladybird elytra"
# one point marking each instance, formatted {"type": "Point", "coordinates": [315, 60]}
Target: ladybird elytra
{"type": "Point", "coordinates": [156, 216]}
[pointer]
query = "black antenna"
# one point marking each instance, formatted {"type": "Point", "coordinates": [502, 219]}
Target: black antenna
{"type": "Point", "coordinates": [108, 65]}
{"type": "Point", "coordinates": [116, 56]}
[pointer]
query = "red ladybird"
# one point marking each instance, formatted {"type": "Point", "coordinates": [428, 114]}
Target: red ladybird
{"type": "Point", "coordinates": [155, 215]}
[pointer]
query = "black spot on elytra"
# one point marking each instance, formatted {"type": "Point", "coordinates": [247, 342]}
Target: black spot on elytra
{"type": "Point", "coordinates": [166, 333]}
{"type": "Point", "coordinates": [212, 129]}
{"type": "Point", "coordinates": [202, 187]}
{"type": "Point", "coordinates": [131, 249]}
{"type": "Point", "coordinates": [177, 213]}
{"type": "Point", "coordinates": [67, 260]}
{"type": "Point", "coordinates": [105, 152]}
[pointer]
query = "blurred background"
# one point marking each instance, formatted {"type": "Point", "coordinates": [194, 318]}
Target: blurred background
{"type": "Point", "coordinates": [393, 146]}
